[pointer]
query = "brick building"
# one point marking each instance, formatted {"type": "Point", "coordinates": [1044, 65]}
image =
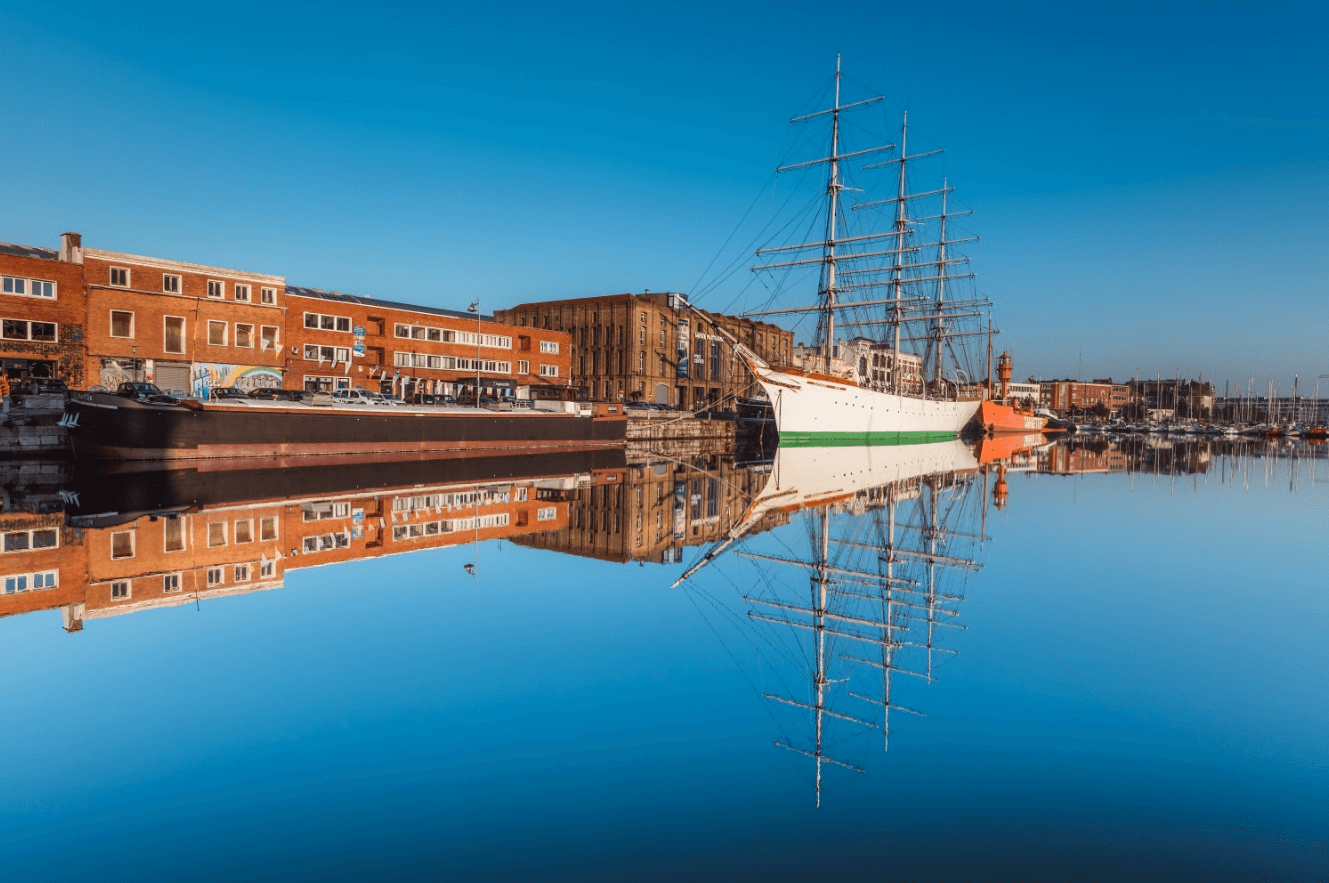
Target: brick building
{"type": "Point", "coordinates": [182, 326]}
{"type": "Point", "coordinates": [339, 341]}
{"type": "Point", "coordinates": [1076, 395]}
{"type": "Point", "coordinates": [42, 312]}
{"type": "Point", "coordinates": [653, 347]}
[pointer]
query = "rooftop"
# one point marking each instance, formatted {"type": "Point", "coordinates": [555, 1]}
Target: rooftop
{"type": "Point", "coordinates": [320, 294]}
{"type": "Point", "coordinates": [29, 251]}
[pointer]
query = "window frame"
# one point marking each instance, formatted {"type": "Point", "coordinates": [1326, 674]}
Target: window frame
{"type": "Point", "coordinates": [111, 275]}
{"type": "Point", "coordinates": [220, 289]}
{"type": "Point", "coordinates": [236, 338]}
{"type": "Point", "coordinates": [133, 544]}
{"type": "Point", "coordinates": [30, 282]}
{"type": "Point", "coordinates": [172, 583]}
{"type": "Point", "coordinates": [238, 288]}
{"type": "Point", "coordinates": [225, 329]}
{"type": "Point", "coordinates": [126, 585]}
{"type": "Point", "coordinates": [275, 340]}
{"type": "Point", "coordinates": [184, 329]}
{"type": "Point", "coordinates": [267, 296]}
{"type": "Point", "coordinates": [110, 330]}
{"type": "Point", "coordinates": [184, 540]}
{"type": "Point", "coordinates": [235, 533]}
{"type": "Point", "coordinates": [224, 538]}
{"type": "Point", "coordinates": [167, 279]}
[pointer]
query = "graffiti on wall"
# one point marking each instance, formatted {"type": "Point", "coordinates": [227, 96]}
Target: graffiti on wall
{"type": "Point", "coordinates": [117, 371]}
{"type": "Point", "coordinates": [209, 376]}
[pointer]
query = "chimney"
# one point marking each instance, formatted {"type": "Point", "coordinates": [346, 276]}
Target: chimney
{"type": "Point", "coordinates": [71, 248]}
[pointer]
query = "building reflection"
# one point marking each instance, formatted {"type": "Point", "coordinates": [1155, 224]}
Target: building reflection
{"type": "Point", "coordinates": [115, 540]}
{"type": "Point", "coordinates": [661, 506]}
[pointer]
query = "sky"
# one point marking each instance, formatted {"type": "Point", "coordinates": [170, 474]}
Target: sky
{"type": "Point", "coordinates": [1148, 179]}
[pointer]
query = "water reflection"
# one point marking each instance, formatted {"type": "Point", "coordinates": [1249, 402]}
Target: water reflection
{"type": "Point", "coordinates": [845, 568]}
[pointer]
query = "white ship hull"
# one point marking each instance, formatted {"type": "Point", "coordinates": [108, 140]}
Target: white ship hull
{"type": "Point", "coordinates": [819, 411]}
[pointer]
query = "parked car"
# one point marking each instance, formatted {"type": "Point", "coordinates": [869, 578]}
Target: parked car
{"type": "Point", "coordinates": [39, 386]}
{"type": "Point", "coordinates": [273, 394]}
{"type": "Point", "coordinates": [355, 397]}
{"type": "Point", "coordinates": [385, 399]}
{"type": "Point", "coordinates": [426, 398]}
{"type": "Point", "coordinates": [225, 393]}
{"type": "Point", "coordinates": [141, 391]}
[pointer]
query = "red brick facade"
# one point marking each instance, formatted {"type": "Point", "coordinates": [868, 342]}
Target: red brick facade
{"type": "Point", "coordinates": [337, 341]}
{"type": "Point", "coordinates": [42, 315]}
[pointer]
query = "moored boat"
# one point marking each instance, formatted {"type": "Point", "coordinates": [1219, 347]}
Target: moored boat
{"type": "Point", "coordinates": [150, 426]}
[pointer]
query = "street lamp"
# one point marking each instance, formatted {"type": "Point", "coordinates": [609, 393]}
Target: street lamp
{"type": "Point", "coordinates": [475, 308]}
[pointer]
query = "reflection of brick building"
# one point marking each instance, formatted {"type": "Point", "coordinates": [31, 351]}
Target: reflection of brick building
{"type": "Point", "coordinates": [167, 560]}
{"type": "Point", "coordinates": [656, 510]}
{"type": "Point", "coordinates": [340, 341]}
{"type": "Point", "coordinates": [654, 348]}
{"type": "Point", "coordinates": [42, 312]}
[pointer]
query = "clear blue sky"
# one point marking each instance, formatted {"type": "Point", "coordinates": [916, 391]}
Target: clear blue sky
{"type": "Point", "coordinates": [1149, 179]}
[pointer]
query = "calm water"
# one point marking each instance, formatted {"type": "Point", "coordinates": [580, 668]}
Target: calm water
{"type": "Point", "coordinates": [1097, 661]}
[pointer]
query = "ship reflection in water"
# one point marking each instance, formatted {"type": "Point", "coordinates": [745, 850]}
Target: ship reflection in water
{"type": "Point", "coordinates": [845, 569]}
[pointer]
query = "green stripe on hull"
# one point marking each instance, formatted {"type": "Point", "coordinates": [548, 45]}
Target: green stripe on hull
{"type": "Point", "coordinates": [861, 439]}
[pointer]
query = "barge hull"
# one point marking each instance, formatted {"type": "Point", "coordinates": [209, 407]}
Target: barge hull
{"type": "Point", "coordinates": [109, 427]}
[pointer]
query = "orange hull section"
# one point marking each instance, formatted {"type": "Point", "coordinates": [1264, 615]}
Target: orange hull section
{"type": "Point", "coordinates": [996, 417]}
{"type": "Point", "coordinates": [994, 450]}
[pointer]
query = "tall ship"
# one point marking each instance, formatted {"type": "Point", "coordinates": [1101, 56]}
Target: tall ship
{"type": "Point", "coordinates": [894, 300]}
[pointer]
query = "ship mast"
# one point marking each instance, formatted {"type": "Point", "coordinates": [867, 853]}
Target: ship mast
{"type": "Point", "coordinates": [901, 228]}
{"type": "Point", "coordinates": [828, 255]}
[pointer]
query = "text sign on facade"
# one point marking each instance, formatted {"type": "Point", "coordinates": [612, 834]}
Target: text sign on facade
{"type": "Point", "coordinates": [683, 348]}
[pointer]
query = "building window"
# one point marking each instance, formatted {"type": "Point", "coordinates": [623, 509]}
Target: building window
{"type": "Point", "coordinates": [267, 569]}
{"type": "Point", "coordinates": [214, 576]}
{"type": "Point", "coordinates": [268, 296]}
{"type": "Point", "coordinates": [327, 353]}
{"type": "Point", "coordinates": [170, 583]}
{"type": "Point", "coordinates": [244, 335]}
{"type": "Point", "coordinates": [120, 591]}
{"type": "Point", "coordinates": [26, 582]}
{"type": "Point", "coordinates": [641, 363]}
{"type": "Point", "coordinates": [27, 540]}
{"type": "Point", "coordinates": [241, 573]}
{"type": "Point", "coordinates": [27, 287]}
{"type": "Point", "coordinates": [546, 513]}
{"type": "Point", "coordinates": [216, 333]}
{"type": "Point", "coordinates": [18, 329]}
{"type": "Point", "coordinates": [320, 322]}
{"type": "Point", "coordinates": [122, 544]}
{"type": "Point", "coordinates": [523, 366]}
{"type": "Point", "coordinates": [170, 284]}
{"type": "Point", "coordinates": [548, 370]}
{"type": "Point", "coordinates": [269, 338]}
{"type": "Point", "coordinates": [173, 334]}
{"type": "Point", "coordinates": [122, 323]}
{"type": "Point", "coordinates": [216, 288]}
{"type": "Point", "coordinates": [216, 534]}
{"type": "Point", "coordinates": [548, 346]}
{"type": "Point", "coordinates": [267, 528]}
{"type": "Point", "coordinates": [244, 531]}
{"type": "Point", "coordinates": [242, 293]}
{"type": "Point", "coordinates": [120, 277]}
{"type": "Point", "coordinates": [173, 533]}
